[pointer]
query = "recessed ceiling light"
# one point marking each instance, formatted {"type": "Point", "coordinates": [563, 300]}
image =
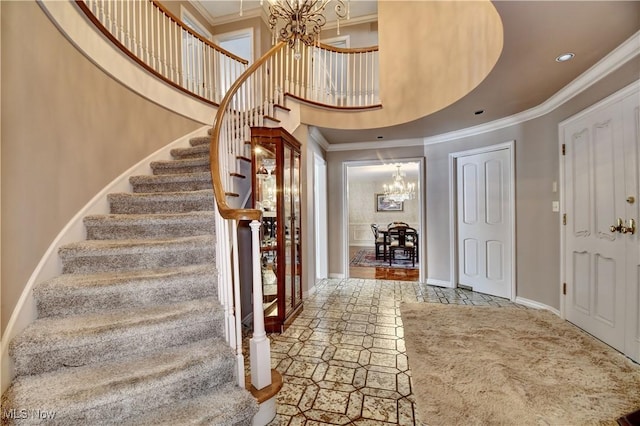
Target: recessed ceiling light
{"type": "Point", "coordinates": [478, 112]}
{"type": "Point", "coordinates": [565, 57]}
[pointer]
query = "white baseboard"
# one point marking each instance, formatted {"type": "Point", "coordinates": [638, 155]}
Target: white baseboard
{"type": "Point", "coordinates": [438, 283]}
{"type": "Point", "coordinates": [536, 305]}
{"type": "Point", "coordinates": [337, 276]}
{"type": "Point", "coordinates": [310, 292]}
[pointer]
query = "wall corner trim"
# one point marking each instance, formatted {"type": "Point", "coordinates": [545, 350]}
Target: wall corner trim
{"type": "Point", "coordinates": [438, 283]}
{"type": "Point", "coordinates": [536, 305]}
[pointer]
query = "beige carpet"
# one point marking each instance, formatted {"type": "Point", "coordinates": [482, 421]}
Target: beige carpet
{"type": "Point", "coordinates": [499, 366]}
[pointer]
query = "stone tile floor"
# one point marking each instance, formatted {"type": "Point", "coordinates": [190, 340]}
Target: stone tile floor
{"type": "Point", "coordinates": [343, 359]}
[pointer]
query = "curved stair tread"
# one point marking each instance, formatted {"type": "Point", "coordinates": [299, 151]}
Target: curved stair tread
{"type": "Point", "coordinates": [162, 202]}
{"type": "Point", "coordinates": [180, 218]}
{"type": "Point", "coordinates": [164, 196]}
{"type": "Point", "coordinates": [200, 140]}
{"type": "Point", "coordinates": [119, 390]}
{"type": "Point", "coordinates": [228, 405]}
{"type": "Point", "coordinates": [92, 328]}
{"type": "Point", "coordinates": [77, 294]}
{"type": "Point", "coordinates": [149, 226]}
{"type": "Point", "coordinates": [86, 339]}
{"type": "Point", "coordinates": [70, 282]}
{"type": "Point", "coordinates": [182, 177]}
{"type": "Point", "coordinates": [178, 166]}
{"type": "Point", "coordinates": [191, 152]}
{"type": "Point", "coordinates": [101, 247]}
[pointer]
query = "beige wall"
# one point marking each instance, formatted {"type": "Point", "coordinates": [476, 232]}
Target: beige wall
{"type": "Point", "coordinates": [261, 33]}
{"type": "Point", "coordinates": [68, 130]}
{"type": "Point", "coordinates": [360, 35]}
{"type": "Point", "coordinates": [536, 168]}
{"type": "Point", "coordinates": [459, 57]}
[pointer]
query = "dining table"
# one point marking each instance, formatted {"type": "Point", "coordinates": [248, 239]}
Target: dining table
{"type": "Point", "coordinates": [384, 232]}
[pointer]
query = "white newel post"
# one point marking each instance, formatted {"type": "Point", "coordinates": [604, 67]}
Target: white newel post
{"type": "Point", "coordinates": [237, 303]}
{"type": "Point", "coordinates": [260, 346]}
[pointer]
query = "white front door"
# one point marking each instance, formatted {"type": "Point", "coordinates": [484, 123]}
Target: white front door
{"type": "Point", "coordinates": [484, 222]}
{"type": "Point", "coordinates": [631, 131]}
{"type": "Point", "coordinates": [601, 253]}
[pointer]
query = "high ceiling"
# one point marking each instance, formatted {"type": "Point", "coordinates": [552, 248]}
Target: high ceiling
{"type": "Point", "coordinates": [526, 74]}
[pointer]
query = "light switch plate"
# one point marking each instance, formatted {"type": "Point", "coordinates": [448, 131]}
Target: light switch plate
{"type": "Point", "coordinates": [555, 206]}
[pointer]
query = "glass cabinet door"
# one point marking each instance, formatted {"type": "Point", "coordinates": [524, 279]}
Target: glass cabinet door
{"type": "Point", "coordinates": [266, 200]}
{"type": "Point", "coordinates": [277, 190]}
{"type": "Point", "coordinates": [297, 280]}
{"type": "Point", "coordinates": [289, 231]}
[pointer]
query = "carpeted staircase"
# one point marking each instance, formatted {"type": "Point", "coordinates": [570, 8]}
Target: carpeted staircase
{"type": "Point", "coordinates": [132, 331]}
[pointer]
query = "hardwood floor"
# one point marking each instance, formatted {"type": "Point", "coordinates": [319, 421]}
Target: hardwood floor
{"type": "Point", "coordinates": [380, 273]}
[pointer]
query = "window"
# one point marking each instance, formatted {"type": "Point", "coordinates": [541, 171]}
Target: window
{"type": "Point", "coordinates": [194, 69]}
{"type": "Point", "coordinates": [240, 43]}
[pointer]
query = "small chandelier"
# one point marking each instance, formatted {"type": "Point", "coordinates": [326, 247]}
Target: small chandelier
{"type": "Point", "coordinates": [399, 190]}
{"type": "Point", "coordinates": [301, 20]}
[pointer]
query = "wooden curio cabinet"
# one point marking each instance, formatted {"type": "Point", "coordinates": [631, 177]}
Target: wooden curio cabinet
{"type": "Point", "coordinates": [277, 192]}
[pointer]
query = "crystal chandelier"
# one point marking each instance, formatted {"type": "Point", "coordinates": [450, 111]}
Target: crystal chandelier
{"type": "Point", "coordinates": [399, 190]}
{"type": "Point", "coordinates": [295, 21]}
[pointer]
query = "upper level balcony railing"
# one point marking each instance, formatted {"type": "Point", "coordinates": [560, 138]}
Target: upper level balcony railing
{"type": "Point", "coordinates": [161, 43]}
{"type": "Point", "coordinates": [165, 46]}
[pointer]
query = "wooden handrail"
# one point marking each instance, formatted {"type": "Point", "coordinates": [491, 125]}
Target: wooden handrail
{"type": "Point", "coordinates": [225, 210]}
{"type": "Point", "coordinates": [333, 107]}
{"type": "Point", "coordinates": [177, 20]}
{"type": "Point", "coordinates": [348, 50]}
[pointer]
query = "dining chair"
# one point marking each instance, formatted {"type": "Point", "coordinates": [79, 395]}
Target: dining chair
{"type": "Point", "coordinates": [392, 224]}
{"type": "Point", "coordinates": [380, 242]}
{"type": "Point", "coordinates": [403, 238]}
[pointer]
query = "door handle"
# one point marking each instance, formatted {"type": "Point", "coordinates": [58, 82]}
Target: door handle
{"type": "Point", "coordinates": [618, 226]}
{"type": "Point", "coordinates": [631, 229]}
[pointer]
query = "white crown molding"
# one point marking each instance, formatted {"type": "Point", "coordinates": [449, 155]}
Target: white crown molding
{"type": "Point", "coordinates": [232, 17]}
{"type": "Point", "coordinates": [614, 60]}
{"type": "Point", "coordinates": [235, 17]}
{"type": "Point", "coordinates": [202, 10]}
{"type": "Point", "coordinates": [355, 146]}
{"type": "Point", "coordinates": [318, 138]}
{"type": "Point", "coordinates": [364, 19]}
{"type": "Point", "coordinates": [609, 100]}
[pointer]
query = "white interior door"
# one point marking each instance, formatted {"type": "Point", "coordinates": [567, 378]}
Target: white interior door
{"type": "Point", "coordinates": [601, 257]}
{"type": "Point", "coordinates": [484, 222]}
